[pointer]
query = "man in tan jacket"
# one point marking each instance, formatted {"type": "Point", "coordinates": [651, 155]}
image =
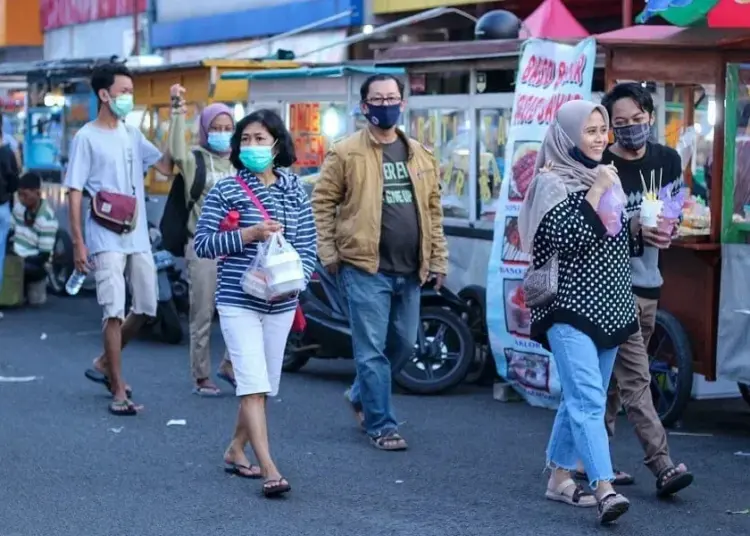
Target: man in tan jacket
{"type": "Point", "coordinates": [380, 228]}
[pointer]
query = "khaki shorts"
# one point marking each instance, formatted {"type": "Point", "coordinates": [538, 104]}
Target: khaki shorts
{"type": "Point", "coordinates": [111, 272]}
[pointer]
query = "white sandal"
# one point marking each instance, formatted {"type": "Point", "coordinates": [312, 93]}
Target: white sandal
{"type": "Point", "coordinates": [570, 493]}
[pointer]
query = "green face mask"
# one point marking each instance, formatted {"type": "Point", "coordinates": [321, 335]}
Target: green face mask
{"type": "Point", "coordinates": [121, 105]}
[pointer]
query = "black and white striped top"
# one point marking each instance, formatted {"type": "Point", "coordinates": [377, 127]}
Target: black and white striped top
{"type": "Point", "coordinates": [285, 201]}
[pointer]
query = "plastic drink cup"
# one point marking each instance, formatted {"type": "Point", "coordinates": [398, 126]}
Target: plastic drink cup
{"type": "Point", "coordinates": [650, 210]}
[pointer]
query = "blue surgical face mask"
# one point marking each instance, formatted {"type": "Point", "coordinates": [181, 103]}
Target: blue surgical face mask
{"type": "Point", "coordinates": [385, 116]}
{"type": "Point", "coordinates": [219, 141]}
{"type": "Point", "coordinates": [121, 105]}
{"type": "Point", "coordinates": [256, 158]}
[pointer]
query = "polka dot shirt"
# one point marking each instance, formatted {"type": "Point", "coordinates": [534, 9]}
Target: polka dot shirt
{"type": "Point", "coordinates": [594, 287]}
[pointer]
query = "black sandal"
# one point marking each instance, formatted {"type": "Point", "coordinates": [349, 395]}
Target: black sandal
{"type": "Point", "coordinates": [242, 471]}
{"type": "Point", "coordinates": [99, 377]}
{"type": "Point", "coordinates": [391, 441]}
{"type": "Point", "coordinates": [276, 488]}
{"type": "Point", "coordinates": [671, 480]}
{"type": "Point", "coordinates": [122, 408]}
{"type": "Point", "coordinates": [621, 478]}
{"type": "Point", "coordinates": [611, 507]}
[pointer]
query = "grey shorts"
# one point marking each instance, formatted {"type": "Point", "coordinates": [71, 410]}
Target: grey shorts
{"type": "Point", "coordinates": [112, 270]}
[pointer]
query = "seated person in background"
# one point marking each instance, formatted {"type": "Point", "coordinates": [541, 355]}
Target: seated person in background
{"type": "Point", "coordinates": [34, 229]}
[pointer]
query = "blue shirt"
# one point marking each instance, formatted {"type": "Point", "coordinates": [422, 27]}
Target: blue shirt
{"type": "Point", "coordinates": [286, 202]}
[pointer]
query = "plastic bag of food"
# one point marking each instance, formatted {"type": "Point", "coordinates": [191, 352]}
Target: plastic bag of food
{"type": "Point", "coordinates": [282, 266]}
{"type": "Point", "coordinates": [254, 281]}
{"type": "Point", "coordinates": [673, 203]}
{"type": "Point", "coordinates": [610, 209]}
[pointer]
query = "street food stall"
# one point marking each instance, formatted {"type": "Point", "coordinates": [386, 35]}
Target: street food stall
{"type": "Point", "coordinates": [204, 83]}
{"type": "Point", "coordinates": [318, 104]}
{"type": "Point", "coordinates": [705, 317]}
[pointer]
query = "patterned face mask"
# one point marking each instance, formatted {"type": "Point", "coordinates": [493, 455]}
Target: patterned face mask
{"type": "Point", "coordinates": [633, 137]}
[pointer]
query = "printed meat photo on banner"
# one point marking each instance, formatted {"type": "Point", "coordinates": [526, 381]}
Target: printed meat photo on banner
{"type": "Point", "coordinates": [522, 168]}
{"type": "Point", "coordinates": [512, 252]}
{"type": "Point", "coordinates": [528, 369]}
{"type": "Point", "coordinates": [517, 315]}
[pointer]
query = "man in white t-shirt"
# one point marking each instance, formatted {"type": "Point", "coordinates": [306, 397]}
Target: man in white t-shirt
{"type": "Point", "coordinates": [108, 156]}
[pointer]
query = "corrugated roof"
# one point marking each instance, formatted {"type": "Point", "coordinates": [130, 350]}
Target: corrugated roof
{"type": "Point", "coordinates": [676, 37]}
{"type": "Point", "coordinates": [310, 72]}
{"type": "Point", "coordinates": [448, 51]}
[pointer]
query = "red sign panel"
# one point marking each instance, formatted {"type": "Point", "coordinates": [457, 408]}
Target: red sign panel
{"type": "Point", "coordinates": [730, 14]}
{"type": "Point", "coordinates": [58, 13]}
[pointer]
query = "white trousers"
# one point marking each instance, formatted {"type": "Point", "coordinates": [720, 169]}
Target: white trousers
{"type": "Point", "coordinates": [255, 343]}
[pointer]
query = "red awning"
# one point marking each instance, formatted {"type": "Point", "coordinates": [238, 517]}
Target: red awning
{"type": "Point", "coordinates": [552, 20]}
{"type": "Point", "coordinates": [730, 14]}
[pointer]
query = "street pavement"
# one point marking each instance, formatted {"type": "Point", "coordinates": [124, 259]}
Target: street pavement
{"type": "Point", "coordinates": [68, 468]}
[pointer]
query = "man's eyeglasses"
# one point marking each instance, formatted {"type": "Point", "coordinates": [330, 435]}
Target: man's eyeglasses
{"type": "Point", "coordinates": [384, 101]}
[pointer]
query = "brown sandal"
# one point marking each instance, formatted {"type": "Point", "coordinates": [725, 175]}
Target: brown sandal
{"type": "Point", "coordinates": [276, 488]}
{"type": "Point", "coordinates": [611, 507]}
{"type": "Point", "coordinates": [672, 480]}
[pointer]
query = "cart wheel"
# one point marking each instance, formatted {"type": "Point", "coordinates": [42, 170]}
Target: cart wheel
{"type": "Point", "coordinates": [671, 365]}
{"type": "Point", "coordinates": [745, 390]}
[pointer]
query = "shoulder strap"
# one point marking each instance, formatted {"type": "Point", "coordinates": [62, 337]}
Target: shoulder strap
{"type": "Point", "coordinates": [199, 181]}
{"type": "Point", "coordinates": [253, 198]}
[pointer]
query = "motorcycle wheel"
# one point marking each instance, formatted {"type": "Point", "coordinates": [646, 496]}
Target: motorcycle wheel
{"type": "Point", "coordinates": [294, 361]}
{"type": "Point", "coordinates": [482, 371]}
{"type": "Point", "coordinates": [451, 354]}
{"type": "Point", "coordinates": [745, 391]}
{"type": "Point", "coordinates": [671, 366]}
{"type": "Point", "coordinates": [61, 265]}
{"type": "Point", "coordinates": [168, 322]}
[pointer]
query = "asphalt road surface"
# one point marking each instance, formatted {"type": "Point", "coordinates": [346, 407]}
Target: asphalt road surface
{"type": "Point", "coordinates": [68, 468]}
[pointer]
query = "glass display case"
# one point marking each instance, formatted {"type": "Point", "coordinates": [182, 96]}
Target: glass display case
{"type": "Point", "coordinates": [736, 191]}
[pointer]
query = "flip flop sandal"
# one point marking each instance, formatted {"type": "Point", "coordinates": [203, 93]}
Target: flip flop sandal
{"type": "Point", "coordinates": [276, 488]}
{"type": "Point", "coordinates": [227, 378]}
{"type": "Point", "coordinates": [97, 377]}
{"type": "Point", "coordinates": [206, 391]}
{"type": "Point", "coordinates": [611, 507]}
{"type": "Point", "coordinates": [579, 497]}
{"type": "Point", "coordinates": [390, 442]}
{"type": "Point", "coordinates": [671, 481]}
{"type": "Point", "coordinates": [357, 409]}
{"type": "Point", "coordinates": [122, 408]}
{"type": "Point", "coordinates": [621, 478]}
{"type": "Point", "coordinates": [242, 471]}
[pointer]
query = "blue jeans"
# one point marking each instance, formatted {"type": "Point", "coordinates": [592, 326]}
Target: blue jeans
{"type": "Point", "coordinates": [384, 318]}
{"type": "Point", "coordinates": [579, 431]}
{"type": "Point", "coordinates": [5, 218]}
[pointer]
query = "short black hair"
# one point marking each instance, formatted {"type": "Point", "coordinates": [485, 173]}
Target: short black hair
{"type": "Point", "coordinates": [103, 76]}
{"type": "Point", "coordinates": [285, 155]}
{"type": "Point", "coordinates": [629, 90]}
{"type": "Point", "coordinates": [30, 181]}
{"type": "Point", "coordinates": [364, 89]}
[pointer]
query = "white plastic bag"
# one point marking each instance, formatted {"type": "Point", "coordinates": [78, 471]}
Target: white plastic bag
{"type": "Point", "coordinates": [253, 281]}
{"type": "Point", "coordinates": [283, 268]}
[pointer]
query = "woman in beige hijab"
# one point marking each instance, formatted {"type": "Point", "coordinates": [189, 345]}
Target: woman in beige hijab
{"type": "Point", "coordinates": [582, 306]}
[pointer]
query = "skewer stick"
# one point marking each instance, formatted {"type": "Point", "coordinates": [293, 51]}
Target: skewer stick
{"type": "Point", "coordinates": [643, 183]}
{"type": "Point", "coordinates": [661, 171]}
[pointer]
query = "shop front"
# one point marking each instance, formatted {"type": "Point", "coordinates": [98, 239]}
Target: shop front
{"type": "Point", "coordinates": [318, 104]}
{"type": "Point", "coordinates": [204, 84]}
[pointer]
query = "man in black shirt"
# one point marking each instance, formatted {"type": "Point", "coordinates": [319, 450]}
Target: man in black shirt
{"type": "Point", "coordinates": [631, 112]}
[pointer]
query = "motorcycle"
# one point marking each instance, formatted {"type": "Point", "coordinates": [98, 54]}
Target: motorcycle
{"type": "Point", "coordinates": [166, 325]}
{"type": "Point", "coordinates": [443, 353]}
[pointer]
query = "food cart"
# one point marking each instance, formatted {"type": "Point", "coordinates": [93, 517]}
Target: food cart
{"type": "Point", "coordinates": [319, 105]}
{"type": "Point", "coordinates": [204, 83]}
{"type": "Point", "coordinates": [705, 317]}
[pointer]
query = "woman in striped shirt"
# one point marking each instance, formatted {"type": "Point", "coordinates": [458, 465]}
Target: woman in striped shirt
{"type": "Point", "coordinates": [255, 331]}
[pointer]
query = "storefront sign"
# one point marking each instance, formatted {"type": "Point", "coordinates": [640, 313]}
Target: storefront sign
{"type": "Point", "coordinates": [550, 74]}
{"type": "Point", "coordinates": [58, 13]}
